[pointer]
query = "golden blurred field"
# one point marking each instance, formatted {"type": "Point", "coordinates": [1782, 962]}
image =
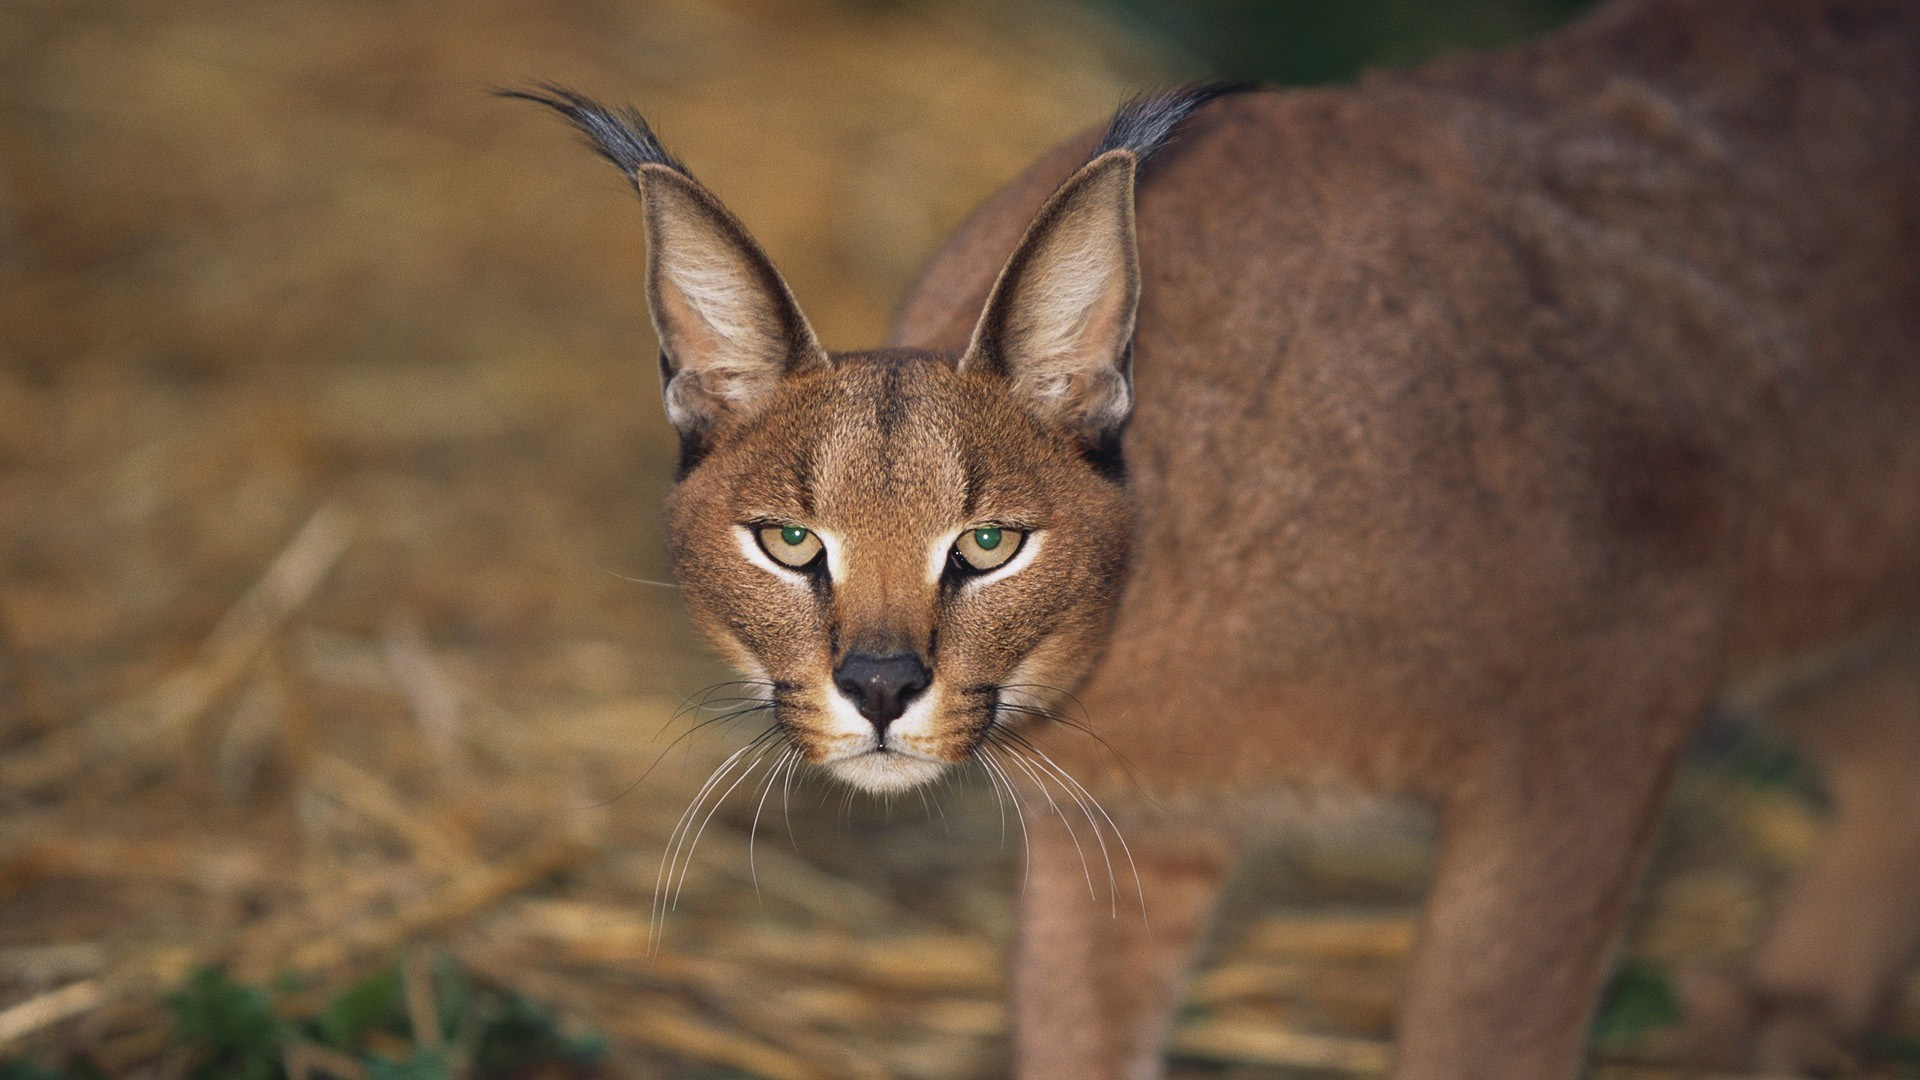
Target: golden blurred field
{"type": "Point", "coordinates": [330, 454]}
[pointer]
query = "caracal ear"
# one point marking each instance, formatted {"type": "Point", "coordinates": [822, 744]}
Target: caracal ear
{"type": "Point", "coordinates": [1059, 321]}
{"type": "Point", "coordinates": [728, 326]}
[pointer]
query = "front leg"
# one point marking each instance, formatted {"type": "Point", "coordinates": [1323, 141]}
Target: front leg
{"type": "Point", "coordinates": [1094, 987]}
{"type": "Point", "coordinates": [1535, 872]}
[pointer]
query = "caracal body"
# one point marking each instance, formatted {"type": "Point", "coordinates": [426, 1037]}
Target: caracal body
{"type": "Point", "coordinates": [1478, 429]}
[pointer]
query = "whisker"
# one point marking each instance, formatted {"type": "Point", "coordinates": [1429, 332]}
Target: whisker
{"type": "Point", "coordinates": [699, 698]}
{"type": "Point", "coordinates": [673, 838]}
{"type": "Point", "coordinates": [637, 580]}
{"type": "Point", "coordinates": [999, 801]}
{"type": "Point", "coordinates": [684, 707]}
{"type": "Point", "coordinates": [656, 921]}
{"type": "Point", "coordinates": [1139, 888]}
{"type": "Point", "coordinates": [1026, 842]}
{"type": "Point", "coordinates": [1113, 883]}
{"type": "Point", "coordinates": [728, 702]}
{"type": "Point", "coordinates": [1083, 724]}
{"type": "Point", "coordinates": [753, 832]}
{"type": "Point", "coordinates": [786, 792]}
{"type": "Point", "coordinates": [1047, 791]}
{"type": "Point", "coordinates": [705, 693]}
{"type": "Point", "coordinates": [668, 749]}
{"type": "Point", "coordinates": [686, 864]}
{"type": "Point", "coordinates": [946, 825]}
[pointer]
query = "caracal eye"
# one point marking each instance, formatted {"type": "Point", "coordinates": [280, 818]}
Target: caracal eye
{"type": "Point", "coordinates": [986, 547]}
{"type": "Point", "coordinates": [789, 545]}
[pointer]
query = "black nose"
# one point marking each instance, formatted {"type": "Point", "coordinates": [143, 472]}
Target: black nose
{"type": "Point", "coordinates": [881, 686]}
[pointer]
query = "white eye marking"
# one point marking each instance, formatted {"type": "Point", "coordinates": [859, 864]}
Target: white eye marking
{"type": "Point", "coordinates": [938, 557]}
{"type": "Point", "coordinates": [836, 555]}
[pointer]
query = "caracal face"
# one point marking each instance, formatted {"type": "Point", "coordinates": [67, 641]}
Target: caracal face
{"type": "Point", "coordinates": [901, 558]}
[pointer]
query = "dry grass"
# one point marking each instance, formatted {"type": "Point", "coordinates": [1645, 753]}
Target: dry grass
{"type": "Point", "coordinates": [328, 446]}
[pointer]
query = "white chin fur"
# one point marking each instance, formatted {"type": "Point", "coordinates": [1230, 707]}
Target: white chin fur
{"type": "Point", "coordinates": [886, 772]}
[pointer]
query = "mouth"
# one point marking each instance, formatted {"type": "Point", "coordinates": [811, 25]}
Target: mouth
{"type": "Point", "coordinates": [886, 769]}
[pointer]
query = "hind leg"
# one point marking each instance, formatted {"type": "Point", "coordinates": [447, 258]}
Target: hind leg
{"type": "Point", "coordinates": [1848, 931]}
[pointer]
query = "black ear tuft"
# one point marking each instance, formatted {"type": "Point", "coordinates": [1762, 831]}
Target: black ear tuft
{"type": "Point", "coordinates": [619, 135]}
{"type": "Point", "coordinates": [1145, 123]}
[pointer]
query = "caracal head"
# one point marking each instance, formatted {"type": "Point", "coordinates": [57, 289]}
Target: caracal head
{"type": "Point", "coordinates": [905, 552]}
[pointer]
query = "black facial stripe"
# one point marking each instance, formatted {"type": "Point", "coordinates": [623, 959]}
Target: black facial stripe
{"type": "Point", "coordinates": [957, 573]}
{"type": "Point", "coordinates": [977, 730]}
{"type": "Point", "coordinates": [693, 450]}
{"type": "Point", "coordinates": [891, 407]}
{"type": "Point", "coordinates": [800, 466]}
{"type": "Point", "coordinates": [1106, 456]}
{"type": "Point", "coordinates": [969, 487]}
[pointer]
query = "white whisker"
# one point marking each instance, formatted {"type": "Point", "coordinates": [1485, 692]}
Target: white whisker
{"type": "Point", "coordinates": [1113, 883]}
{"type": "Point", "coordinates": [638, 580]}
{"type": "Point", "coordinates": [1086, 867]}
{"type": "Point", "coordinates": [1138, 887]}
{"type": "Point", "coordinates": [786, 793]}
{"type": "Point", "coordinates": [686, 863]}
{"type": "Point", "coordinates": [1020, 814]}
{"type": "Point", "coordinates": [753, 832]}
{"type": "Point", "coordinates": [999, 800]}
{"type": "Point", "coordinates": [657, 918]}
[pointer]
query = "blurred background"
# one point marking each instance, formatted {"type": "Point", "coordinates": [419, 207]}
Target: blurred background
{"type": "Point", "coordinates": [335, 661]}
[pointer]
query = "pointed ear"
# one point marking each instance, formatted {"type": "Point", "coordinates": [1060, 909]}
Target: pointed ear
{"type": "Point", "coordinates": [1058, 324]}
{"type": "Point", "coordinates": [728, 326]}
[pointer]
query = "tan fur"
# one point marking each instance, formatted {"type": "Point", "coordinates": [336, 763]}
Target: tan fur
{"type": "Point", "coordinates": [1487, 423]}
{"type": "Point", "coordinates": [1490, 422]}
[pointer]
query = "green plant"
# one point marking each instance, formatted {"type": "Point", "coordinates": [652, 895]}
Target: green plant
{"type": "Point", "coordinates": [232, 1030]}
{"type": "Point", "coordinates": [1639, 999]}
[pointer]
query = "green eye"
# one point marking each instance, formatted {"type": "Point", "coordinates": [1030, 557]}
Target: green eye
{"type": "Point", "coordinates": [789, 545]}
{"type": "Point", "coordinates": [987, 547]}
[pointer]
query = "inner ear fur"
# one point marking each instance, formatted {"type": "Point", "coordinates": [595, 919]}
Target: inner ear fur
{"type": "Point", "coordinates": [1058, 324]}
{"type": "Point", "coordinates": [729, 328]}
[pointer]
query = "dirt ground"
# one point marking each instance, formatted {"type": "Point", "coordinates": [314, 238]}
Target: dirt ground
{"type": "Point", "coordinates": [333, 632]}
